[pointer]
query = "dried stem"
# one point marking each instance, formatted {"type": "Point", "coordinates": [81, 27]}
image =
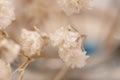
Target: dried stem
{"type": "Point", "coordinates": [61, 73]}
{"type": "Point", "coordinates": [22, 68]}
{"type": "Point", "coordinates": [21, 75]}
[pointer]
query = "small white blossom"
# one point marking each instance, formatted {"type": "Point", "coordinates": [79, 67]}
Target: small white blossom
{"type": "Point", "coordinates": [69, 41]}
{"type": "Point", "coordinates": [7, 14]}
{"type": "Point", "coordinates": [57, 37]}
{"type": "Point", "coordinates": [73, 6]}
{"type": "Point", "coordinates": [5, 70]}
{"type": "Point", "coordinates": [31, 42]}
{"type": "Point", "coordinates": [66, 37]}
{"type": "Point", "coordinates": [9, 50]}
{"type": "Point", "coordinates": [73, 57]}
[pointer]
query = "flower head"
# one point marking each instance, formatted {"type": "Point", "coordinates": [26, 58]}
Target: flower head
{"type": "Point", "coordinates": [73, 57]}
{"type": "Point", "coordinates": [73, 6]}
{"type": "Point", "coordinates": [66, 37]}
{"type": "Point", "coordinates": [9, 50]}
{"type": "Point", "coordinates": [31, 42]}
{"type": "Point", "coordinates": [69, 41]}
{"type": "Point", "coordinates": [7, 14]}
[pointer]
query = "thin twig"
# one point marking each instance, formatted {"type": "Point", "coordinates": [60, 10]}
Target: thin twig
{"type": "Point", "coordinates": [61, 73]}
{"type": "Point", "coordinates": [20, 67]}
{"type": "Point", "coordinates": [22, 70]}
{"type": "Point", "coordinates": [21, 75]}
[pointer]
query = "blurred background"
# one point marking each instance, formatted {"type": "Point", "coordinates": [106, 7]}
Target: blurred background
{"type": "Point", "coordinates": [101, 24]}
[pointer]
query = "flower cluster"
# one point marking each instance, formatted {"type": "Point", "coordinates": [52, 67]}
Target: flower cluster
{"type": "Point", "coordinates": [7, 14]}
{"type": "Point", "coordinates": [69, 41]}
{"type": "Point", "coordinates": [9, 50]}
{"type": "Point", "coordinates": [73, 6]}
{"type": "Point", "coordinates": [32, 42]}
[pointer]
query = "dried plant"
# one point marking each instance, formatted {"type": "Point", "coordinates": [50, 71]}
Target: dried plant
{"type": "Point", "coordinates": [31, 43]}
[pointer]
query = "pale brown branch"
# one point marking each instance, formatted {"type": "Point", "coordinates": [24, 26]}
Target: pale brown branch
{"type": "Point", "coordinates": [61, 73]}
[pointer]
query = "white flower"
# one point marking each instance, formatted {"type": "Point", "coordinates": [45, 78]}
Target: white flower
{"type": "Point", "coordinates": [5, 70]}
{"type": "Point", "coordinates": [73, 6]}
{"type": "Point", "coordinates": [66, 37]}
{"type": "Point", "coordinates": [9, 50]}
{"type": "Point", "coordinates": [57, 37]}
{"type": "Point", "coordinates": [73, 57]}
{"type": "Point", "coordinates": [7, 14]}
{"type": "Point", "coordinates": [31, 42]}
{"type": "Point", "coordinates": [69, 41]}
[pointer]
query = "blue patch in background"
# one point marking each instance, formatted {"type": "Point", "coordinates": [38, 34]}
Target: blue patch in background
{"type": "Point", "coordinates": [91, 47]}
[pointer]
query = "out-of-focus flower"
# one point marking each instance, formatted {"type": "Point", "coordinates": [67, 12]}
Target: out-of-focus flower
{"type": "Point", "coordinates": [9, 50]}
{"type": "Point", "coordinates": [7, 14]}
{"type": "Point", "coordinates": [73, 6]}
{"type": "Point", "coordinates": [5, 70]}
{"type": "Point", "coordinates": [32, 42]}
{"type": "Point", "coordinates": [69, 41]}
